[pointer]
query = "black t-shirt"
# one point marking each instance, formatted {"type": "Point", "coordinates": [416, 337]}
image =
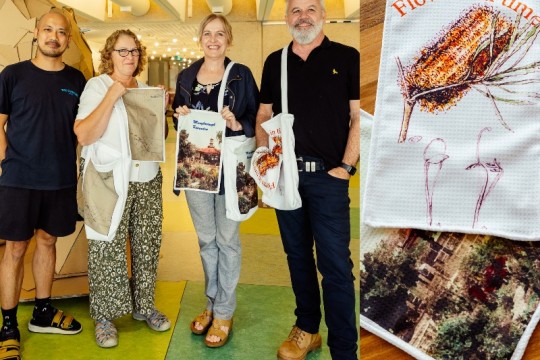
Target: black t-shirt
{"type": "Point", "coordinates": [319, 92]}
{"type": "Point", "coordinates": [41, 107]}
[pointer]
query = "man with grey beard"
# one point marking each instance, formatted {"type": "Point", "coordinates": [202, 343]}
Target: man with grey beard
{"type": "Point", "coordinates": [323, 96]}
{"type": "Point", "coordinates": [38, 176]}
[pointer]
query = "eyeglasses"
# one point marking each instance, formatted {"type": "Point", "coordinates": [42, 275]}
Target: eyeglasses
{"type": "Point", "coordinates": [125, 52]}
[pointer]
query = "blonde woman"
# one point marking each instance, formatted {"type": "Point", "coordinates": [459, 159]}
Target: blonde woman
{"type": "Point", "coordinates": [197, 88]}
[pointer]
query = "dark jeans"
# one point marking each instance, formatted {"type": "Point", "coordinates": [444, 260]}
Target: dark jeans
{"type": "Point", "coordinates": [323, 219]}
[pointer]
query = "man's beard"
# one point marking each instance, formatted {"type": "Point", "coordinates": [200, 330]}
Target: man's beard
{"type": "Point", "coordinates": [305, 36]}
{"type": "Point", "coordinates": [54, 53]}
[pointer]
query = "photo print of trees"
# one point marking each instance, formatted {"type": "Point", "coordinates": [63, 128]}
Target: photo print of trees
{"type": "Point", "coordinates": [246, 188]}
{"type": "Point", "coordinates": [451, 295]}
{"type": "Point", "coordinates": [198, 167]}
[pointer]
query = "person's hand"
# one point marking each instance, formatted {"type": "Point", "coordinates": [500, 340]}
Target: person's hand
{"type": "Point", "coordinates": [340, 173]}
{"type": "Point", "coordinates": [181, 111]}
{"type": "Point", "coordinates": [116, 90]}
{"type": "Point", "coordinates": [230, 119]}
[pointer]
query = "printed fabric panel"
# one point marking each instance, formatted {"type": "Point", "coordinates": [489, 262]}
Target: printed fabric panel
{"type": "Point", "coordinates": [447, 295]}
{"type": "Point", "coordinates": [456, 141]}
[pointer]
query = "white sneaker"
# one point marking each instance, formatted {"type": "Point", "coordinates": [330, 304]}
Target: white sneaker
{"type": "Point", "coordinates": [156, 320]}
{"type": "Point", "coordinates": [106, 334]}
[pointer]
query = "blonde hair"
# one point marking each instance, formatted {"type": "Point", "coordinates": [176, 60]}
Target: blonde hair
{"type": "Point", "coordinates": [224, 21]}
{"type": "Point", "coordinates": [106, 65]}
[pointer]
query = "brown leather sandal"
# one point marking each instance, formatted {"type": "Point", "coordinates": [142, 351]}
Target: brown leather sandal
{"type": "Point", "coordinates": [205, 319]}
{"type": "Point", "coordinates": [215, 330]}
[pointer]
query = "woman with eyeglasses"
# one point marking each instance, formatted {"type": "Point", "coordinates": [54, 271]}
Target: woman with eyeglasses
{"type": "Point", "coordinates": [101, 128]}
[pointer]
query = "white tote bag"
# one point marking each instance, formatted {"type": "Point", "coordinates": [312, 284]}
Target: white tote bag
{"type": "Point", "coordinates": [241, 198]}
{"type": "Point", "coordinates": [275, 169]}
{"type": "Point", "coordinates": [104, 190]}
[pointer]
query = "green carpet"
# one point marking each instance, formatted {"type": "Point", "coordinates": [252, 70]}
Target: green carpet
{"type": "Point", "coordinates": [136, 339]}
{"type": "Point", "coordinates": [263, 319]}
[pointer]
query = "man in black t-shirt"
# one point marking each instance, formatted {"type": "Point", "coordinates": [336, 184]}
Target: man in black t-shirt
{"type": "Point", "coordinates": [323, 96]}
{"type": "Point", "coordinates": [38, 105]}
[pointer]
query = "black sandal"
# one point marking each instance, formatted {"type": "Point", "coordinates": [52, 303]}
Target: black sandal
{"type": "Point", "coordinates": [10, 349]}
{"type": "Point", "coordinates": [60, 324]}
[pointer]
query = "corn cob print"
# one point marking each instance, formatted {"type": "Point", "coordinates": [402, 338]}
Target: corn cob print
{"type": "Point", "coordinates": [461, 56]}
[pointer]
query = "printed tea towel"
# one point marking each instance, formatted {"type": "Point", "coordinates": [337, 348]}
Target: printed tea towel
{"type": "Point", "coordinates": [198, 151]}
{"type": "Point", "coordinates": [145, 108]}
{"type": "Point", "coordinates": [198, 147]}
{"type": "Point", "coordinates": [442, 295]}
{"type": "Point", "coordinates": [456, 142]}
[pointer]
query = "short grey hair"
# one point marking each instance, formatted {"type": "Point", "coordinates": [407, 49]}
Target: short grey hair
{"type": "Point", "coordinates": [320, 1]}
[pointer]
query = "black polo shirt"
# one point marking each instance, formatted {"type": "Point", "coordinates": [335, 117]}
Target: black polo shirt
{"type": "Point", "coordinates": [319, 92]}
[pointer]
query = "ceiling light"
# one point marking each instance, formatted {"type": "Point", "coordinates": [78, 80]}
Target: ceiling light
{"type": "Point", "coordinates": [139, 36]}
{"type": "Point", "coordinates": [174, 40]}
{"type": "Point", "coordinates": [193, 53]}
{"type": "Point", "coordinates": [164, 55]}
{"type": "Point", "coordinates": [154, 52]}
{"type": "Point", "coordinates": [156, 44]}
{"type": "Point", "coordinates": [178, 53]}
{"type": "Point", "coordinates": [195, 38]}
{"type": "Point", "coordinates": [169, 49]}
{"type": "Point", "coordinates": [184, 49]}
{"type": "Point", "coordinates": [152, 57]}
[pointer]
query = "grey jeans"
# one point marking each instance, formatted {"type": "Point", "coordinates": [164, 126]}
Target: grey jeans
{"type": "Point", "coordinates": [220, 250]}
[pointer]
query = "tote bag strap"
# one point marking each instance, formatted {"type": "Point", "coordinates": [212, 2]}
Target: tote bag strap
{"type": "Point", "coordinates": [284, 84]}
{"type": "Point", "coordinates": [221, 95]}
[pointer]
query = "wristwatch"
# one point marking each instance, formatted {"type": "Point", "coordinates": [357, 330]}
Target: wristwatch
{"type": "Point", "coordinates": [350, 169]}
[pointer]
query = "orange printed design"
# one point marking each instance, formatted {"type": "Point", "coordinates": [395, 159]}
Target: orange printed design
{"type": "Point", "coordinates": [266, 162]}
{"type": "Point", "coordinates": [271, 159]}
{"type": "Point", "coordinates": [482, 50]}
{"type": "Point", "coordinates": [277, 149]}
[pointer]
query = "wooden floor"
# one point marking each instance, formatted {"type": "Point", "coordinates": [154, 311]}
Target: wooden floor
{"type": "Point", "coordinates": [371, 30]}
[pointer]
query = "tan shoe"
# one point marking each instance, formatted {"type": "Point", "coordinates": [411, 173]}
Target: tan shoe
{"type": "Point", "coordinates": [217, 329]}
{"type": "Point", "coordinates": [205, 320]}
{"type": "Point", "coordinates": [298, 344]}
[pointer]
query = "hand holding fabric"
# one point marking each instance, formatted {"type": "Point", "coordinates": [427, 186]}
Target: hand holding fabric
{"type": "Point", "coordinates": [230, 119]}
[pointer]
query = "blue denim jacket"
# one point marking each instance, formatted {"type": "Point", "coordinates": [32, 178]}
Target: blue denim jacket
{"type": "Point", "coordinates": [242, 91]}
